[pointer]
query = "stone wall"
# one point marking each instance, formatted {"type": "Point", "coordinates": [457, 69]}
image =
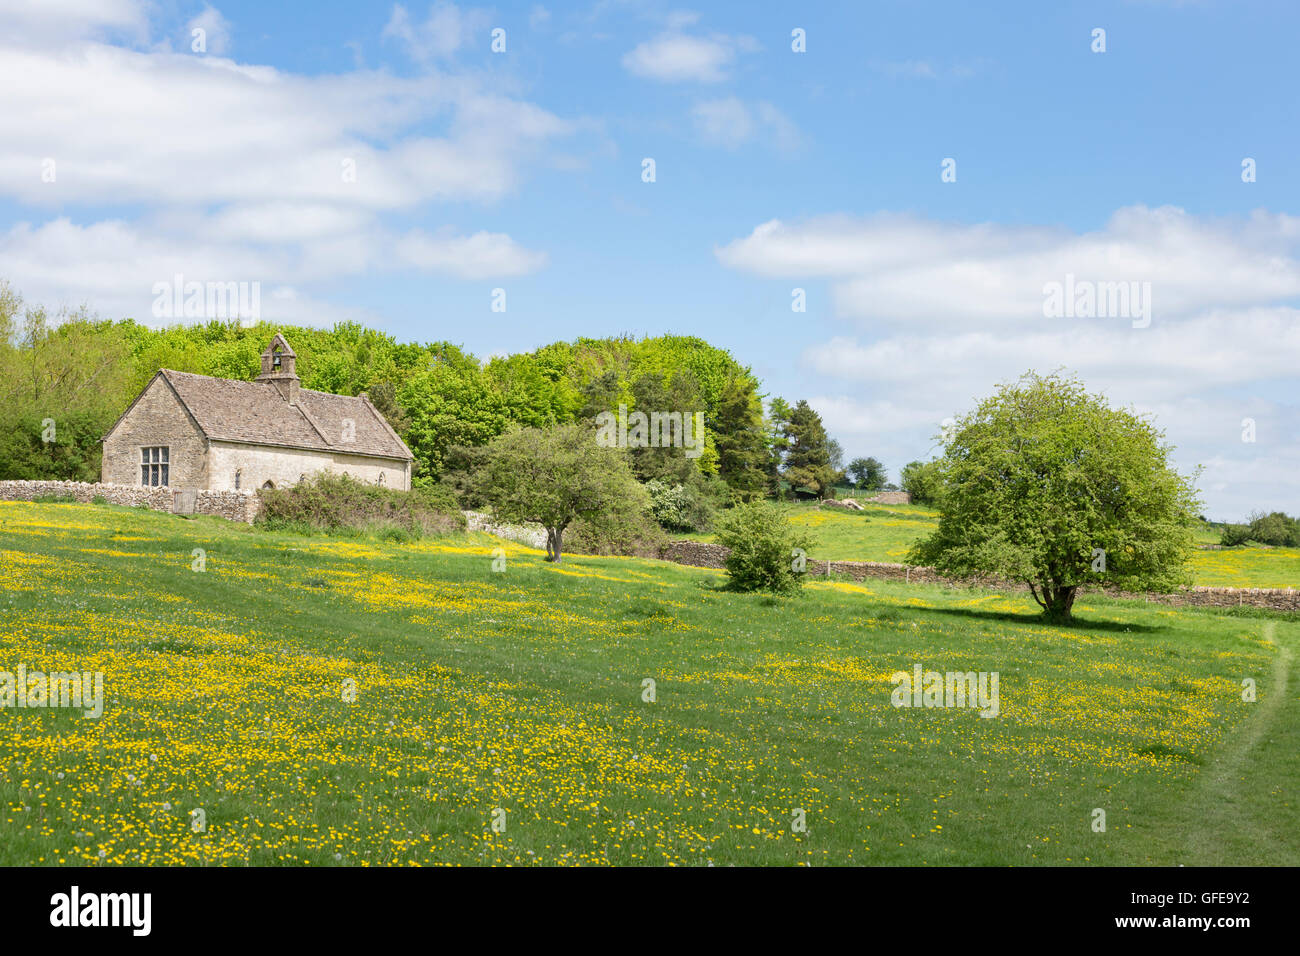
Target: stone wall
{"type": "Point", "coordinates": [701, 554]}
{"type": "Point", "coordinates": [533, 536]}
{"type": "Point", "coordinates": [283, 467]}
{"type": "Point", "coordinates": [156, 418]}
{"type": "Point", "coordinates": [231, 505]}
{"type": "Point", "coordinates": [891, 498]}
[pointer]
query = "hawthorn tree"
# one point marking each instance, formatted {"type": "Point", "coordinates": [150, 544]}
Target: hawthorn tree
{"type": "Point", "coordinates": [1047, 484]}
{"type": "Point", "coordinates": [867, 474]}
{"type": "Point", "coordinates": [553, 476]}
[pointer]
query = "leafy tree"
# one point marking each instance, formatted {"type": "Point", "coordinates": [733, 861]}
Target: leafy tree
{"type": "Point", "coordinates": [835, 453]}
{"type": "Point", "coordinates": [764, 546]}
{"type": "Point", "coordinates": [737, 430]}
{"type": "Point", "coordinates": [555, 476]}
{"type": "Point", "coordinates": [1277, 529]}
{"type": "Point", "coordinates": [867, 474]}
{"type": "Point", "coordinates": [1234, 535]}
{"type": "Point", "coordinates": [807, 456]}
{"type": "Point", "coordinates": [62, 382]}
{"type": "Point", "coordinates": [383, 395]}
{"type": "Point", "coordinates": [1047, 484]}
{"type": "Point", "coordinates": [922, 480]}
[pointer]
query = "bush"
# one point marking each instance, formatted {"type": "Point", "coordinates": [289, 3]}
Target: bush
{"type": "Point", "coordinates": [1233, 535]}
{"type": "Point", "coordinates": [1276, 529]}
{"type": "Point", "coordinates": [639, 536]}
{"type": "Point", "coordinates": [922, 481]}
{"type": "Point", "coordinates": [679, 508]}
{"type": "Point", "coordinates": [336, 503]}
{"type": "Point", "coordinates": [762, 542]}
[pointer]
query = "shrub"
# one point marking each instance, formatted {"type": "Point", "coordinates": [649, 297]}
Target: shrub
{"type": "Point", "coordinates": [1233, 535]}
{"type": "Point", "coordinates": [677, 507]}
{"type": "Point", "coordinates": [628, 534]}
{"type": "Point", "coordinates": [922, 481]}
{"type": "Point", "coordinates": [1276, 529]}
{"type": "Point", "coordinates": [338, 503]}
{"type": "Point", "coordinates": [762, 542]}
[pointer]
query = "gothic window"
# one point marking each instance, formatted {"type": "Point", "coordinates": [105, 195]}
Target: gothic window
{"type": "Point", "coordinates": [154, 465]}
{"type": "Point", "coordinates": [381, 480]}
{"type": "Point", "coordinates": [268, 484]}
{"type": "Point", "coordinates": [238, 477]}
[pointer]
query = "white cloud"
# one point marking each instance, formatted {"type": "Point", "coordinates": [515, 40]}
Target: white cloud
{"type": "Point", "coordinates": [178, 128]}
{"type": "Point", "coordinates": [482, 255]}
{"type": "Point", "coordinates": [242, 172]}
{"type": "Point", "coordinates": [215, 35]}
{"type": "Point", "coordinates": [444, 31]}
{"type": "Point", "coordinates": [675, 57]}
{"type": "Point", "coordinates": [53, 22]}
{"type": "Point", "coordinates": [113, 265]}
{"type": "Point", "coordinates": [948, 311]}
{"type": "Point", "coordinates": [729, 122]}
{"type": "Point", "coordinates": [901, 269]}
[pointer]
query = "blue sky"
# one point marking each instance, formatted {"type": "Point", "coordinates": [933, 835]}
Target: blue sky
{"type": "Point", "coordinates": [775, 170]}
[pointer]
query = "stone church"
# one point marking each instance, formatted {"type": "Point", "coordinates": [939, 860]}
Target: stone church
{"type": "Point", "coordinates": [191, 431]}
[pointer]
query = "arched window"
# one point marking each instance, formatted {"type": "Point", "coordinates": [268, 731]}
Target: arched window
{"type": "Point", "coordinates": [381, 480]}
{"type": "Point", "coordinates": [239, 475]}
{"type": "Point", "coordinates": [268, 484]}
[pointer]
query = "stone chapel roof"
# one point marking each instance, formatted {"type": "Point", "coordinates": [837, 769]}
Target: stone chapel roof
{"type": "Point", "coordinates": [256, 413]}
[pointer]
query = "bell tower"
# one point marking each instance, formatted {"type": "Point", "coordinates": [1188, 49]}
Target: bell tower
{"type": "Point", "coordinates": [278, 369]}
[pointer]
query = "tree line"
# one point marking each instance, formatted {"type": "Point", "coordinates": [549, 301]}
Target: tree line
{"type": "Point", "coordinates": [66, 377]}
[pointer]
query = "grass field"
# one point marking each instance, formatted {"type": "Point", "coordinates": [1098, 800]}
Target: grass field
{"type": "Point", "coordinates": [885, 532]}
{"type": "Point", "coordinates": [518, 696]}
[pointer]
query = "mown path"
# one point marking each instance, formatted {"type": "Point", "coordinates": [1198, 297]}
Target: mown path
{"type": "Point", "coordinates": [1222, 813]}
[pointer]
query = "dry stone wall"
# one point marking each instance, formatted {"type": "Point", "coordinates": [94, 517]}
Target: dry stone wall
{"type": "Point", "coordinates": [701, 554]}
{"type": "Point", "coordinates": [231, 505]}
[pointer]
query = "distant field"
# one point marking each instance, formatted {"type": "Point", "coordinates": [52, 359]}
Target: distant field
{"type": "Point", "coordinates": [519, 696]}
{"type": "Point", "coordinates": [885, 532]}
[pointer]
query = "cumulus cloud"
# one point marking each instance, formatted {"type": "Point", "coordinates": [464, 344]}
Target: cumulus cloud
{"type": "Point", "coordinates": [442, 34]}
{"type": "Point", "coordinates": [901, 269]}
{"type": "Point", "coordinates": [54, 22]}
{"type": "Point", "coordinates": [677, 57]}
{"type": "Point", "coordinates": [243, 172]}
{"type": "Point", "coordinates": [940, 313]}
{"type": "Point", "coordinates": [730, 122]}
{"type": "Point", "coordinates": [215, 32]}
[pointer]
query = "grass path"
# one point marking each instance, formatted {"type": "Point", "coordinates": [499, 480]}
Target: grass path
{"type": "Point", "coordinates": [1220, 810]}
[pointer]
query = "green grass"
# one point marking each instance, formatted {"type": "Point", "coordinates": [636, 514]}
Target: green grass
{"type": "Point", "coordinates": [523, 691]}
{"type": "Point", "coordinates": [885, 532]}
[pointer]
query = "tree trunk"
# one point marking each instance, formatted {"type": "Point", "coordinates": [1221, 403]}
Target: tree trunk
{"type": "Point", "coordinates": [1055, 600]}
{"type": "Point", "coordinates": [553, 537]}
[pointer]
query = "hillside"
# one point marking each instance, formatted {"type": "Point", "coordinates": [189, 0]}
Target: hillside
{"type": "Point", "coordinates": [523, 691]}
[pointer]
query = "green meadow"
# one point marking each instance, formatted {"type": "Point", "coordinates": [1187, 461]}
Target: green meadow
{"type": "Point", "coordinates": [342, 701]}
{"type": "Point", "coordinates": [885, 532]}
